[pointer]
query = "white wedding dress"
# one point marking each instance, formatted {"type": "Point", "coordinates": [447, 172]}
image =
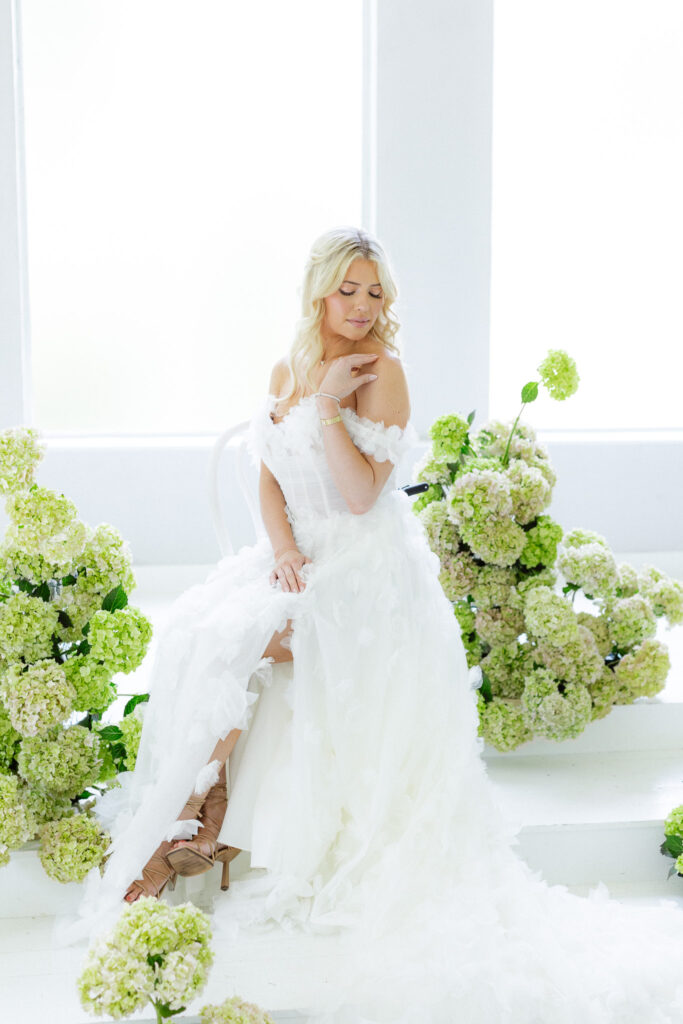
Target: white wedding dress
{"type": "Point", "coordinates": [358, 784]}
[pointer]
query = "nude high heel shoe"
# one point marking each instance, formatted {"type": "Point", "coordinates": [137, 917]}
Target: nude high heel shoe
{"type": "Point", "coordinates": [157, 872]}
{"type": "Point", "coordinates": [200, 855]}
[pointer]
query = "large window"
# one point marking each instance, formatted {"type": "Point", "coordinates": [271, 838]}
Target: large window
{"type": "Point", "coordinates": [588, 207]}
{"type": "Point", "coordinates": [180, 160]}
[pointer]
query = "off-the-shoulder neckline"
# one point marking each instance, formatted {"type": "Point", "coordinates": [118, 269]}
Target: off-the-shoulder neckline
{"type": "Point", "coordinates": [343, 409]}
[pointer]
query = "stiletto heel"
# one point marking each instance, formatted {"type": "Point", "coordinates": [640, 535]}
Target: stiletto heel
{"type": "Point", "coordinates": [226, 854]}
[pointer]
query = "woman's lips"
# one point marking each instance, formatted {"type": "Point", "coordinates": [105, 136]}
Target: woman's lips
{"type": "Point", "coordinates": [359, 323]}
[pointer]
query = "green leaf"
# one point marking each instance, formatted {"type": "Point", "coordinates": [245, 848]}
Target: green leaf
{"type": "Point", "coordinates": [115, 599]}
{"type": "Point", "coordinates": [470, 417]}
{"type": "Point", "coordinates": [156, 959]}
{"type": "Point", "coordinates": [530, 392]}
{"type": "Point", "coordinates": [570, 586]}
{"type": "Point", "coordinates": [118, 751]}
{"type": "Point", "coordinates": [672, 846]}
{"type": "Point", "coordinates": [67, 581]}
{"type": "Point", "coordinates": [139, 698]}
{"type": "Point", "coordinates": [64, 619]}
{"type": "Point", "coordinates": [86, 629]}
{"type": "Point", "coordinates": [84, 795]}
{"type": "Point", "coordinates": [485, 688]}
{"type": "Point", "coordinates": [26, 586]}
{"type": "Point", "coordinates": [111, 733]}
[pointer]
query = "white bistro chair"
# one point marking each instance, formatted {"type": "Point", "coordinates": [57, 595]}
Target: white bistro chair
{"type": "Point", "coordinates": [234, 440]}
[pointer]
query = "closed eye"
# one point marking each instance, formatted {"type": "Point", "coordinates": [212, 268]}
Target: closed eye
{"type": "Point", "coordinates": [371, 294]}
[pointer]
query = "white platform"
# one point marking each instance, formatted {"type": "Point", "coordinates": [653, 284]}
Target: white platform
{"type": "Point", "coordinates": [590, 810]}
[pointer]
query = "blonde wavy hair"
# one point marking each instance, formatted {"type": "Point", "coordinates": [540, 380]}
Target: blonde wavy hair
{"type": "Point", "coordinates": [328, 261]}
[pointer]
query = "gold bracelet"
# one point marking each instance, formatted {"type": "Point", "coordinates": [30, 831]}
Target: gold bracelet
{"type": "Point", "coordinates": [333, 419]}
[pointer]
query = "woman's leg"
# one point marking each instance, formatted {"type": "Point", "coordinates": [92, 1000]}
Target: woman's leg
{"type": "Point", "coordinates": [157, 869]}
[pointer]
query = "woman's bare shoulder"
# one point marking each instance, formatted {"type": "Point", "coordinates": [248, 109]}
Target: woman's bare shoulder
{"type": "Point", "coordinates": [387, 397]}
{"type": "Point", "coordinates": [279, 377]}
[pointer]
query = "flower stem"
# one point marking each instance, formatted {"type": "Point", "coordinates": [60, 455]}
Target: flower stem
{"type": "Point", "coordinates": [514, 427]}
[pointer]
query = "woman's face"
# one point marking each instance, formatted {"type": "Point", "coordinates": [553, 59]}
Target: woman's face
{"type": "Point", "coordinates": [352, 310]}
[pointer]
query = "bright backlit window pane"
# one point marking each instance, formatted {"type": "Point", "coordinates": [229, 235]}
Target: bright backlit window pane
{"type": "Point", "coordinates": [181, 159]}
{"type": "Point", "coordinates": [588, 207]}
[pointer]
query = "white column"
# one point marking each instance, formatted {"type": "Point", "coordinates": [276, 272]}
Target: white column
{"type": "Point", "coordinates": [433, 192]}
{"type": "Point", "coordinates": [14, 317]}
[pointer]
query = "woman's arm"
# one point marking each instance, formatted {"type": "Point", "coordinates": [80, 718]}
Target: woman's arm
{"type": "Point", "coordinates": [358, 477]}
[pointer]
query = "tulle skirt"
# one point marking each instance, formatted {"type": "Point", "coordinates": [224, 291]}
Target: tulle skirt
{"type": "Point", "coordinates": [359, 788]}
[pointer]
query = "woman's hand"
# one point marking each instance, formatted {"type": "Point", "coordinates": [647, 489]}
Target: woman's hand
{"type": "Point", "coordinates": [288, 570]}
{"type": "Point", "coordinates": [339, 379]}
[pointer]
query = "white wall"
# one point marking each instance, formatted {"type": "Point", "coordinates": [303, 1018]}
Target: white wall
{"type": "Point", "coordinates": [428, 185]}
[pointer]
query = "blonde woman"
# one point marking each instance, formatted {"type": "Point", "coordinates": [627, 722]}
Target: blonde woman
{"type": "Point", "coordinates": [325, 666]}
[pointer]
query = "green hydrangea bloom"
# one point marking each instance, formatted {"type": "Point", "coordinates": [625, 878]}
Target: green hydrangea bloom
{"type": "Point", "coordinates": [4, 855]}
{"type": "Point", "coordinates": [37, 698]}
{"type": "Point", "coordinates": [493, 586]}
{"type": "Point", "coordinates": [577, 538]}
{"type": "Point", "coordinates": [559, 374]}
{"type": "Point", "coordinates": [549, 616]}
{"type": "Point", "coordinates": [458, 574]}
{"type": "Point", "coordinates": [628, 582]}
{"type": "Point", "coordinates": [492, 438]}
{"type": "Point", "coordinates": [598, 627]}
{"type": "Point", "coordinates": [465, 616]}
{"type": "Point", "coordinates": [70, 848]}
{"type": "Point", "coordinates": [44, 806]}
{"type": "Point", "coordinates": [131, 727]}
{"type": "Point", "coordinates": [473, 650]}
{"type": "Point", "coordinates": [501, 723]}
{"type": "Point", "coordinates": [21, 449]}
{"type": "Point", "coordinates": [577, 660]}
{"type": "Point", "coordinates": [92, 682]}
{"type": "Point", "coordinates": [432, 470]}
{"type": "Point", "coordinates": [47, 523]}
{"type": "Point", "coordinates": [64, 762]}
{"type": "Point", "coordinates": [507, 667]}
{"type": "Point", "coordinates": [80, 607]}
{"type": "Point", "coordinates": [442, 535]}
{"type": "Point", "coordinates": [673, 826]}
{"type": "Point", "coordinates": [529, 491]}
{"type": "Point", "coordinates": [630, 621]}
{"type": "Point", "coordinates": [591, 567]}
{"type": "Point", "coordinates": [678, 864]}
{"type": "Point", "coordinates": [643, 672]}
{"type": "Point", "coordinates": [477, 496]}
{"type": "Point", "coordinates": [9, 740]}
{"type": "Point", "coordinates": [16, 823]}
{"type": "Point", "coordinates": [107, 560]}
{"type": "Point", "coordinates": [604, 692]}
{"type": "Point", "coordinates": [664, 594]}
{"type": "Point", "coordinates": [498, 541]}
{"type": "Point", "coordinates": [557, 714]}
{"type": "Point", "coordinates": [499, 625]}
{"type": "Point", "coordinates": [482, 463]}
{"type": "Point", "coordinates": [17, 562]}
{"type": "Point", "coordinates": [26, 627]}
{"type": "Point", "coordinates": [543, 578]}
{"type": "Point", "coordinates": [234, 1011]}
{"type": "Point", "coordinates": [540, 545]}
{"type": "Point", "coordinates": [434, 492]}
{"type": "Point", "coordinates": [119, 639]}
{"type": "Point", "coordinates": [448, 434]}
{"type": "Point", "coordinates": [118, 978]}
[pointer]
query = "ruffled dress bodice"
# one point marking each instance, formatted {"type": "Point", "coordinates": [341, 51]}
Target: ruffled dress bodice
{"type": "Point", "coordinates": [294, 451]}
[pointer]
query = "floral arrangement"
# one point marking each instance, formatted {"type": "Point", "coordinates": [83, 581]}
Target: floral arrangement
{"type": "Point", "coordinates": [154, 953]}
{"type": "Point", "coordinates": [547, 669]}
{"type": "Point", "coordinates": [673, 840]}
{"type": "Point", "coordinates": [65, 630]}
{"type": "Point", "coordinates": [234, 1011]}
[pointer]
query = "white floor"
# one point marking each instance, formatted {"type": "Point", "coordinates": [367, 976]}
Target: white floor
{"type": "Point", "coordinates": [590, 810]}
